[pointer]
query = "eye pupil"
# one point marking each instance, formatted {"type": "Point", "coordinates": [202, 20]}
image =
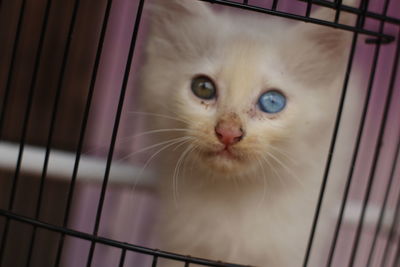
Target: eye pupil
{"type": "Point", "coordinates": [272, 102]}
{"type": "Point", "coordinates": [203, 87]}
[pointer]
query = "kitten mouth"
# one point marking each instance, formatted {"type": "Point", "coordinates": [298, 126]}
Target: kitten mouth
{"type": "Point", "coordinates": [225, 153]}
{"type": "Point", "coordinates": [225, 160]}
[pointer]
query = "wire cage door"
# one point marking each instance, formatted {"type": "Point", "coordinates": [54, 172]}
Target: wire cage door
{"type": "Point", "coordinates": [68, 74]}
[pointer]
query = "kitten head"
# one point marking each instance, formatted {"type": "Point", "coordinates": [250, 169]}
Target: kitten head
{"type": "Point", "coordinates": [253, 90]}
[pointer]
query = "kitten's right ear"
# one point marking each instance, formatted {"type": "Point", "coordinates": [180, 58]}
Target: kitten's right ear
{"type": "Point", "coordinates": [175, 9]}
{"type": "Point", "coordinates": [178, 24]}
{"type": "Point", "coordinates": [167, 17]}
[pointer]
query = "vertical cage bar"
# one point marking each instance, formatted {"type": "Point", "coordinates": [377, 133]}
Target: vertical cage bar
{"type": "Point", "coordinates": [187, 264]}
{"type": "Point", "coordinates": [392, 234]}
{"type": "Point", "coordinates": [115, 128]}
{"type": "Point", "coordinates": [25, 127]}
{"type": "Point", "coordinates": [331, 150]}
{"type": "Point", "coordinates": [4, 107]}
{"type": "Point", "coordinates": [274, 5]}
{"type": "Point", "coordinates": [356, 147]}
{"type": "Point", "coordinates": [83, 127]}
{"type": "Point", "coordinates": [387, 192]}
{"type": "Point", "coordinates": [338, 10]}
{"type": "Point", "coordinates": [10, 74]}
{"type": "Point", "coordinates": [53, 117]}
{"type": "Point", "coordinates": [396, 261]}
{"type": "Point", "coordinates": [154, 263]}
{"type": "Point", "coordinates": [122, 258]}
{"type": "Point", "coordinates": [308, 9]}
{"type": "Point", "coordinates": [364, 8]}
{"type": "Point", "coordinates": [383, 209]}
{"type": "Point", "coordinates": [378, 146]}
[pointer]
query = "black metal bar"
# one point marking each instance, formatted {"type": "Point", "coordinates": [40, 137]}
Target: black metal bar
{"type": "Point", "coordinates": [384, 37]}
{"type": "Point", "coordinates": [116, 126]}
{"type": "Point", "coordinates": [364, 4]}
{"type": "Point", "coordinates": [122, 258]}
{"type": "Point", "coordinates": [4, 107]}
{"type": "Point", "coordinates": [113, 243]}
{"type": "Point", "coordinates": [331, 150]}
{"type": "Point", "coordinates": [356, 11]}
{"type": "Point", "coordinates": [10, 74]}
{"type": "Point", "coordinates": [4, 239]}
{"type": "Point", "coordinates": [37, 212]}
{"type": "Point", "coordinates": [154, 263]}
{"type": "Point", "coordinates": [392, 233]}
{"type": "Point", "coordinates": [396, 261]}
{"type": "Point", "coordinates": [187, 264]}
{"type": "Point", "coordinates": [382, 214]}
{"type": "Point", "coordinates": [274, 5]}
{"type": "Point", "coordinates": [95, 238]}
{"type": "Point", "coordinates": [308, 9]}
{"type": "Point", "coordinates": [25, 128]}
{"type": "Point", "coordinates": [355, 149]}
{"type": "Point", "coordinates": [84, 126]}
{"type": "Point", "coordinates": [378, 147]}
{"type": "Point", "coordinates": [338, 9]}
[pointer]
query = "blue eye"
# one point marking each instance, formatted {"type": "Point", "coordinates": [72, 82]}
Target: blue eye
{"type": "Point", "coordinates": [272, 102]}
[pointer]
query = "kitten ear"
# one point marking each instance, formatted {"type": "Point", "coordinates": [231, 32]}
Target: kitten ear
{"type": "Point", "coordinates": [329, 39]}
{"type": "Point", "coordinates": [178, 25]}
{"type": "Point", "coordinates": [178, 8]}
{"type": "Point", "coordinates": [322, 51]}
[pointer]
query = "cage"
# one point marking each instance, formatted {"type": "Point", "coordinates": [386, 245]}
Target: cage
{"type": "Point", "coordinates": [68, 78]}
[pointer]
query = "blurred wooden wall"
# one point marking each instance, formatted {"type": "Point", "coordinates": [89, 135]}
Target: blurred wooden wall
{"type": "Point", "coordinates": [19, 77]}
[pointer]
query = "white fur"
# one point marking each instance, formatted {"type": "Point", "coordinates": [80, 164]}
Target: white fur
{"type": "Point", "coordinates": [257, 210]}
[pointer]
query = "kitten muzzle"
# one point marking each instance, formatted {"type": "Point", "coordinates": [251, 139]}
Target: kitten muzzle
{"type": "Point", "coordinates": [229, 130]}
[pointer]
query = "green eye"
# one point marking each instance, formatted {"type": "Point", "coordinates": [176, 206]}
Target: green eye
{"type": "Point", "coordinates": [203, 87]}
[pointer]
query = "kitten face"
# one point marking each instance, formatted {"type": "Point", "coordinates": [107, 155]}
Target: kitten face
{"type": "Point", "coordinates": [235, 107]}
{"type": "Point", "coordinates": [233, 131]}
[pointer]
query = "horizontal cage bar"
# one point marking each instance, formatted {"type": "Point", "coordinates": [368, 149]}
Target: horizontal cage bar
{"type": "Point", "coordinates": [354, 10]}
{"type": "Point", "coordinates": [383, 38]}
{"type": "Point", "coordinates": [114, 243]}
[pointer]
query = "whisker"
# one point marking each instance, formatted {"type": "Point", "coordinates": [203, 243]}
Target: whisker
{"type": "Point", "coordinates": [189, 155]}
{"type": "Point", "coordinates": [176, 173]}
{"type": "Point", "coordinates": [264, 184]}
{"type": "Point", "coordinates": [289, 171]}
{"type": "Point", "coordinates": [158, 115]}
{"type": "Point", "coordinates": [123, 140]}
{"type": "Point", "coordinates": [153, 156]}
{"type": "Point", "coordinates": [197, 157]}
{"type": "Point", "coordinates": [154, 146]}
{"type": "Point", "coordinates": [283, 153]}
{"type": "Point", "coordinates": [183, 143]}
{"type": "Point", "coordinates": [164, 130]}
{"type": "Point", "coordinates": [281, 180]}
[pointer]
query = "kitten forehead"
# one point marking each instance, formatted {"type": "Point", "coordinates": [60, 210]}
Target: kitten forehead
{"type": "Point", "coordinates": [246, 66]}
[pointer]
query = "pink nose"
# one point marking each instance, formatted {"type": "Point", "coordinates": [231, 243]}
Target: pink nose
{"type": "Point", "coordinates": [228, 133]}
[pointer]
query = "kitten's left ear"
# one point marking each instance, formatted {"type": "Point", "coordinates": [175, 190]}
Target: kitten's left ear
{"type": "Point", "coordinates": [321, 51]}
{"type": "Point", "coordinates": [329, 40]}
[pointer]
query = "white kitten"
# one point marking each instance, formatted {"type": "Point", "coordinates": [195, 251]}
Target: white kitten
{"type": "Point", "coordinates": [256, 97]}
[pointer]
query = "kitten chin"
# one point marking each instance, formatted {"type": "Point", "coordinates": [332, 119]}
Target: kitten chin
{"type": "Point", "coordinates": [225, 164]}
